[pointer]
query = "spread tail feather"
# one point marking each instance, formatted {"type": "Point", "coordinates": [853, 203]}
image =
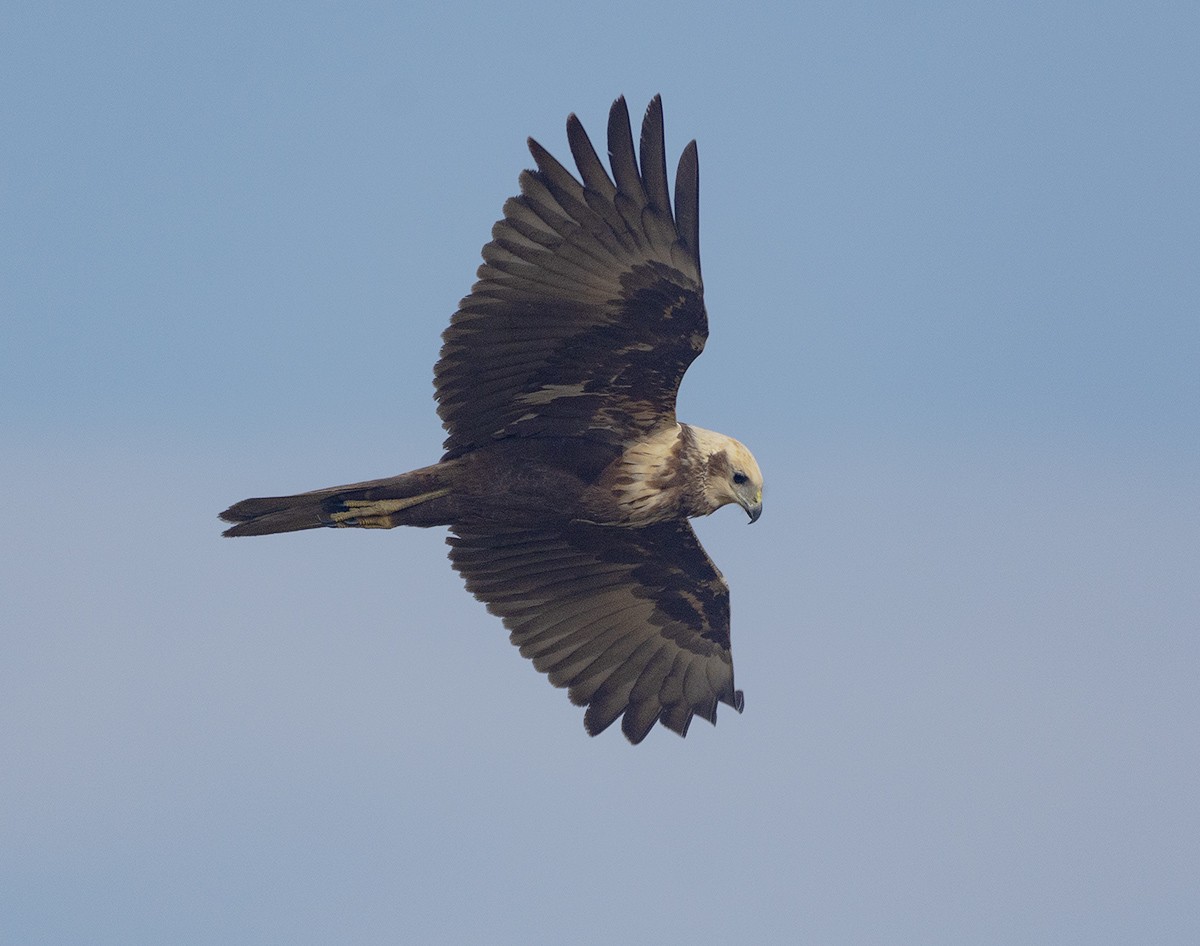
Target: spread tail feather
{"type": "Point", "coordinates": [420, 498]}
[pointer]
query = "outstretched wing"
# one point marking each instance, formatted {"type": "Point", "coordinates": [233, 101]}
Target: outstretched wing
{"type": "Point", "coordinates": [635, 622]}
{"type": "Point", "coordinates": [589, 305]}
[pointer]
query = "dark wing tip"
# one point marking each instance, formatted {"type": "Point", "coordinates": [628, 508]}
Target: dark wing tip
{"type": "Point", "coordinates": [678, 719]}
{"type": "Point", "coordinates": [535, 149]}
{"type": "Point", "coordinates": [594, 723]}
{"type": "Point", "coordinates": [635, 726]}
{"type": "Point", "coordinates": [621, 154]}
{"type": "Point", "coordinates": [638, 721]}
{"type": "Point", "coordinates": [618, 121]}
{"type": "Point", "coordinates": [687, 200]}
{"type": "Point", "coordinates": [591, 170]}
{"type": "Point", "coordinates": [653, 149]}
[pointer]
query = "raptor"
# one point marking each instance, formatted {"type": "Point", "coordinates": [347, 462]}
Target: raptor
{"type": "Point", "coordinates": [567, 481]}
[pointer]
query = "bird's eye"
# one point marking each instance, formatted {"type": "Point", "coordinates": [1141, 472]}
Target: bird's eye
{"type": "Point", "coordinates": [739, 477]}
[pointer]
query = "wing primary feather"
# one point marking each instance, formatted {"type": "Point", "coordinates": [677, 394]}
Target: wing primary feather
{"type": "Point", "coordinates": [562, 185]}
{"type": "Point", "coordinates": [541, 201]}
{"type": "Point", "coordinates": [591, 168]}
{"type": "Point", "coordinates": [707, 709]}
{"type": "Point", "coordinates": [639, 719]}
{"type": "Point", "coordinates": [603, 713]}
{"type": "Point", "coordinates": [695, 687]}
{"type": "Point", "coordinates": [687, 201]}
{"type": "Point", "coordinates": [607, 251]}
{"type": "Point", "coordinates": [621, 154]}
{"type": "Point", "coordinates": [677, 717]}
{"type": "Point", "coordinates": [558, 178]}
{"type": "Point", "coordinates": [654, 158]}
{"type": "Point", "coordinates": [723, 689]}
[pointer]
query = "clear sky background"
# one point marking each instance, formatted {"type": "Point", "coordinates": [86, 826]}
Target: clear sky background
{"type": "Point", "coordinates": [951, 258]}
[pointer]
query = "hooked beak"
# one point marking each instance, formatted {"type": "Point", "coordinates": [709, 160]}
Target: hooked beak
{"type": "Point", "coordinates": [753, 506]}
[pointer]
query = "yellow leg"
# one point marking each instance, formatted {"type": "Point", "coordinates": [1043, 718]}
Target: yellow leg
{"type": "Point", "coordinates": [377, 513]}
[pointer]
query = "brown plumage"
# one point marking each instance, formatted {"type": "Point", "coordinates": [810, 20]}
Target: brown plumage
{"type": "Point", "coordinates": [567, 481]}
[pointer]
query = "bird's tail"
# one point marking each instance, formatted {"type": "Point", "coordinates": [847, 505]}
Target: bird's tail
{"type": "Point", "coordinates": [420, 498]}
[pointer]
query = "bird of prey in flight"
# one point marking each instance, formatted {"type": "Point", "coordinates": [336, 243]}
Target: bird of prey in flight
{"type": "Point", "coordinates": [567, 482]}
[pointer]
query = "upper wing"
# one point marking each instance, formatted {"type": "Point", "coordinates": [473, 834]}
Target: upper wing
{"type": "Point", "coordinates": [589, 305]}
{"type": "Point", "coordinates": [633, 621]}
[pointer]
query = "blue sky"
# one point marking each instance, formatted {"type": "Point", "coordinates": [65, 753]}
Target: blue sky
{"type": "Point", "coordinates": [950, 254]}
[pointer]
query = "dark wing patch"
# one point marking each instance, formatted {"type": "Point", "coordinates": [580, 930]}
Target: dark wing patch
{"type": "Point", "coordinates": [634, 622]}
{"type": "Point", "coordinates": [589, 304]}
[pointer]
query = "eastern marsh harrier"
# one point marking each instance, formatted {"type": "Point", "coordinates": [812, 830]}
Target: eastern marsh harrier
{"type": "Point", "coordinates": [567, 482]}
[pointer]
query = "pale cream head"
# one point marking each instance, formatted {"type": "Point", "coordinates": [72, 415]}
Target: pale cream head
{"type": "Point", "coordinates": [733, 473]}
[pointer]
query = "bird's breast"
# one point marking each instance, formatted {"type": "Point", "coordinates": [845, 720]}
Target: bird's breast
{"type": "Point", "coordinates": [647, 483]}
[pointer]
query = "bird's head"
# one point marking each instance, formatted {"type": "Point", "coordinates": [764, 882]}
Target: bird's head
{"type": "Point", "coordinates": [733, 475]}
